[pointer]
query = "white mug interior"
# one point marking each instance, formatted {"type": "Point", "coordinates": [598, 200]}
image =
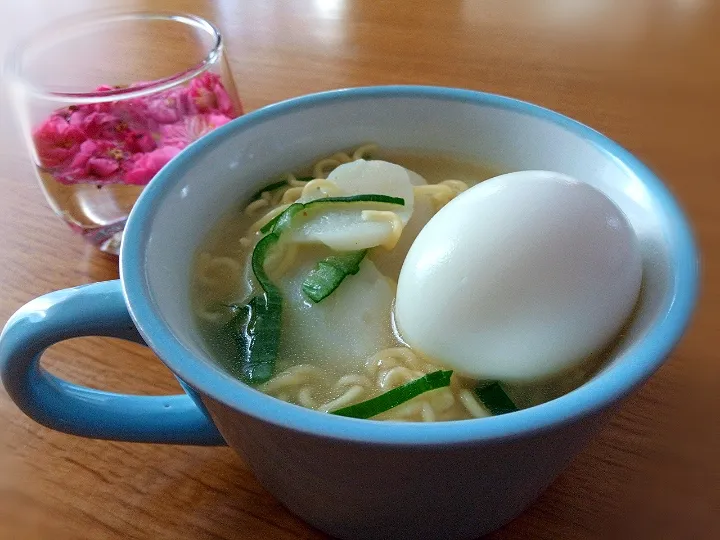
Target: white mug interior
{"type": "Point", "coordinates": [226, 173]}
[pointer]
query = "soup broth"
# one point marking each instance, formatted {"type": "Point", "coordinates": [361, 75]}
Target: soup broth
{"type": "Point", "coordinates": [344, 349]}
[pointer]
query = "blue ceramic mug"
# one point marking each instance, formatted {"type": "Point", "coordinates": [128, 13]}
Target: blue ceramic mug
{"type": "Point", "coordinates": [351, 478]}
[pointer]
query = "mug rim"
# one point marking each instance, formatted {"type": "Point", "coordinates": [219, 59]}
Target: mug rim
{"type": "Point", "coordinates": [632, 368]}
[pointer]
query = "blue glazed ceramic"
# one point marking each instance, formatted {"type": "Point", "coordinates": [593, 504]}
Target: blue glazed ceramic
{"type": "Point", "coordinates": [352, 478]}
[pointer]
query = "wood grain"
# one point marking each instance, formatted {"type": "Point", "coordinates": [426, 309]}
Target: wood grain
{"type": "Point", "coordinates": [644, 72]}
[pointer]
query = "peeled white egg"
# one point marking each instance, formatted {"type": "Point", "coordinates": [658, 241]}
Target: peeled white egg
{"type": "Point", "coordinates": [519, 277]}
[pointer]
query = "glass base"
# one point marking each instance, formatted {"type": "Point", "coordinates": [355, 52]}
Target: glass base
{"type": "Point", "coordinates": [106, 239]}
{"type": "Point", "coordinates": [97, 212]}
{"type": "Point", "coordinates": [112, 245]}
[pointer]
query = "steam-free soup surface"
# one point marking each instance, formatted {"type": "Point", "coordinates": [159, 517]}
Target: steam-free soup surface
{"type": "Point", "coordinates": [344, 349]}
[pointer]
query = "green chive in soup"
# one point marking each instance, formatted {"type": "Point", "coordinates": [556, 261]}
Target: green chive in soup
{"type": "Point", "coordinates": [295, 291]}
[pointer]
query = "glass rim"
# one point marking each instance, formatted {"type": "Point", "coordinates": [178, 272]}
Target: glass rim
{"type": "Point", "coordinates": [62, 29]}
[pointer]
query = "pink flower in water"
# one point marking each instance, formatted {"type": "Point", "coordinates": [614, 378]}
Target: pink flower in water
{"type": "Point", "coordinates": [100, 125]}
{"type": "Point", "coordinates": [209, 94]}
{"type": "Point", "coordinates": [191, 129]}
{"type": "Point", "coordinates": [112, 124]}
{"type": "Point", "coordinates": [57, 141]}
{"type": "Point", "coordinates": [167, 107]}
{"type": "Point", "coordinates": [130, 140]}
{"type": "Point", "coordinates": [75, 114]}
{"type": "Point", "coordinates": [103, 106]}
{"type": "Point", "coordinates": [147, 165]}
{"type": "Point", "coordinates": [137, 141]}
{"type": "Point", "coordinates": [99, 159]}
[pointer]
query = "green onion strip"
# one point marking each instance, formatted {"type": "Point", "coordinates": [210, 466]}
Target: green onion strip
{"type": "Point", "coordinates": [494, 398]}
{"type": "Point", "coordinates": [255, 327]}
{"type": "Point", "coordinates": [330, 272]}
{"type": "Point", "coordinates": [277, 185]}
{"type": "Point", "coordinates": [396, 396]}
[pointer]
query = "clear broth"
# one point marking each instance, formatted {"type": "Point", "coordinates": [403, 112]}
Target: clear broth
{"type": "Point", "coordinates": [238, 287]}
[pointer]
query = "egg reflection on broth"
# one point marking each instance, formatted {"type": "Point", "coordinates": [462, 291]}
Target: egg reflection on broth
{"type": "Point", "coordinates": [406, 286]}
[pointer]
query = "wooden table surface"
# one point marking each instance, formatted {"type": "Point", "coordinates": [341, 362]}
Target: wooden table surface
{"type": "Point", "coordinates": [644, 72]}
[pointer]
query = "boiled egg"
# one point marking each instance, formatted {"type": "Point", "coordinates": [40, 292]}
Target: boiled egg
{"type": "Point", "coordinates": [520, 277]}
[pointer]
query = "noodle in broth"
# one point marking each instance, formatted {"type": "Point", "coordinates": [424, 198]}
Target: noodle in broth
{"type": "Point", "coordinates": [222, 276]}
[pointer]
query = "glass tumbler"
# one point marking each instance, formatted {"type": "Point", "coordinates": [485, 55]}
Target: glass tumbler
{"type": "Point", "coordinates": [104, 102]}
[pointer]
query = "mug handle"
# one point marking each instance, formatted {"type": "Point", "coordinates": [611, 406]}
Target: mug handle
{"type": "Point", "coordinates": [91, 310]}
